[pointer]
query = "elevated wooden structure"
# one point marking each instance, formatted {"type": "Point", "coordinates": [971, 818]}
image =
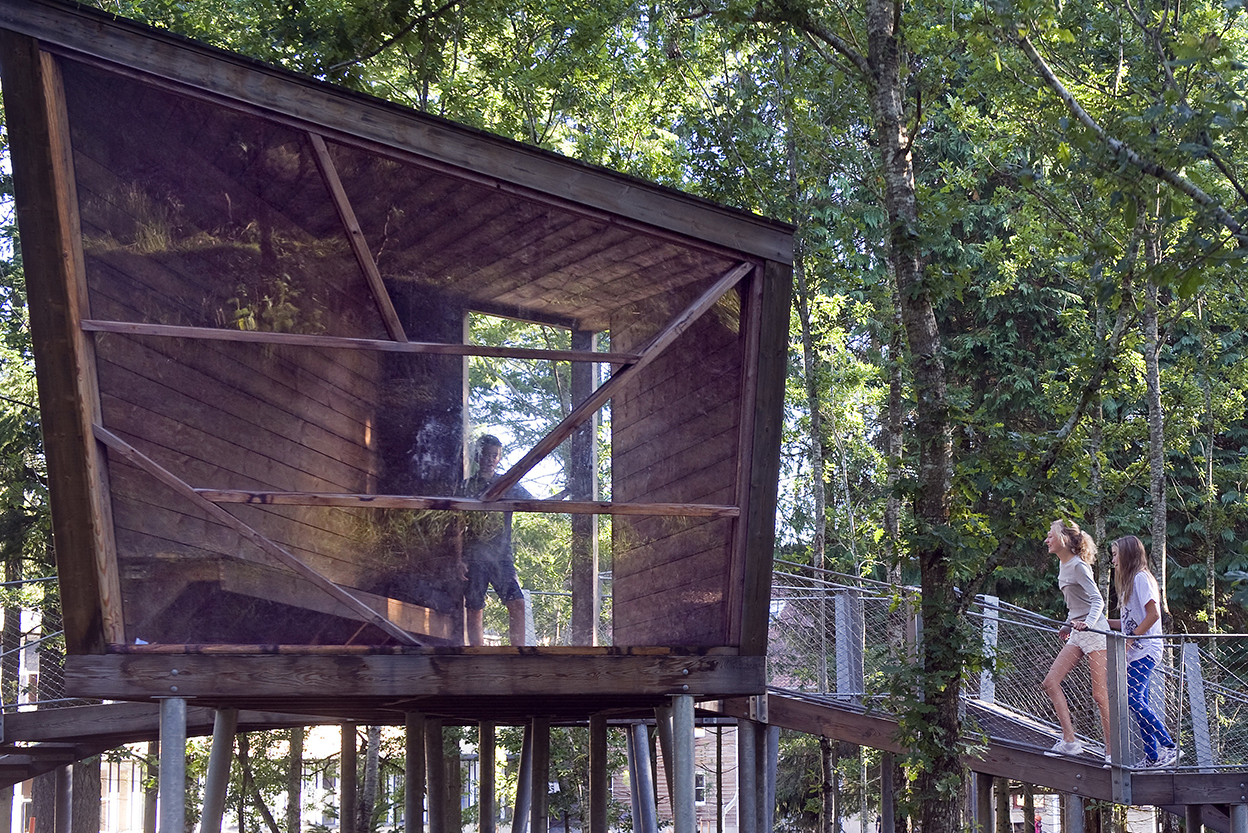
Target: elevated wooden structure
{"type": "Point", "coordinates": [248, 294]}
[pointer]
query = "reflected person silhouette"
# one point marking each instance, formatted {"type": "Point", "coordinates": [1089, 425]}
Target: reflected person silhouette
{"type": "Point", "coordinates": [488, 549]}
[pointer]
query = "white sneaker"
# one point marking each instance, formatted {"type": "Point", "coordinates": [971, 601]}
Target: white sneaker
{"type": "Point", "coordinates": [1062, 747]}
{"type": "Point", "coordinates": [1168, 757]}
{"type": "Point", "coordinates": [1145, 763]}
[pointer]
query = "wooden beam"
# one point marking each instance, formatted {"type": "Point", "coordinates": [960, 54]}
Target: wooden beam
{"type": "Point", "coordinates": [47, 210]}
{"type": "Point", "coordinates": [351, 116]}
{"type": "Point", "coordinates": [747, 408]}
{"type": "Point", "coordinates": [343, 343]}
{"type": "Point", "coordinates": [147, 464]}
{"type": "Point", "coordinates": [120, 723]}
{"type": "Point", "coordinates": [648, 353]}
{"type": "Point", "coordinates": [754, 560]}
{"type": "Point", "coordinates": [406, 678]}
{"type": "Point", "coordinates": [458, 504]}
{"type": "Point", "coordinates": [355, 235]}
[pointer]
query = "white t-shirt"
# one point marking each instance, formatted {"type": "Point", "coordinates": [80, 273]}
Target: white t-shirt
{"type": "Point", "coordinates": [1143, 590]}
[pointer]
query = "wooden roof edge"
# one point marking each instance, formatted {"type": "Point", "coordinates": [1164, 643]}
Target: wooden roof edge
{"type": "Point", "coordinates": [229, 75]}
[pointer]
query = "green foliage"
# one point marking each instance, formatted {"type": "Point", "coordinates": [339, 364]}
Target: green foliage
{"type": "Point", "coordinates": [1029, 227]}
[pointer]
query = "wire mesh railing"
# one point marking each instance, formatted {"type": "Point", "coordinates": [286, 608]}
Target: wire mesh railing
{"type": "Point", "coordinates": [33, 674]}
{"type": "Point", "coordinates": [848, 637]}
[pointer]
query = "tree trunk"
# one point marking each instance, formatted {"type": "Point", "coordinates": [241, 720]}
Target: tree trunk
{"type": "Point", "coordinates": [85, 814]}
{"type": "Point", "coordinates": [809, 371]}
{"type": "Point", "coordinates": [827, 786]}
{"type": "Point", "coordinates": [939, 731]}
{"type": "Point", "coordinates": [1096, 444]}
{"type": "Point", "coordinates": [294, 783]}
{"type": "Point", "coordinates": [1211, 490]}
{"type": "Point", "coordinates": [893, 440]}
{"type": "Point", "coordinates": [368, 790]}
{"type": "Point", "coordinates": [1156, 440]}
{"type": "Point", "coordinates": [10, 639]}
{"type": "Point", "coordinates": [1001, 790]}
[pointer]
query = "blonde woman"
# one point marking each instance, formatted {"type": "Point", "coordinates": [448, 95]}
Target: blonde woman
{"type": "Point", "coordinates": [1140, 600]}
{"type": "Point", "coordinates": [1085, 609]}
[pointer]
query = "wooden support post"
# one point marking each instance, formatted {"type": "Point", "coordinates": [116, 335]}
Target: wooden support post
{"type": "Point", "coordinates": [539, 818]}
{"type": "Point", "coordinates": [1119, 745]}
{"type": "Point", "coordinates": [1072, 813]}
{"type": "Point", "coordinates": [414, 773]}
{"type": "Point", "coordinates": [172, 790]}
{"type": "Point", "coordinates": [435, 768]}
{"type": "Point", "coordinates": [348, 770]}
{"type": "Point", "coordinates": [583, 485]}
{"type": "Point", "coordinates": [42, 162]}
{"type": "Point", "coordinates": [747, 778]}
{"type": "Point", "coordinates": [63, 800]}
{"type": "Point", "coordinates": [524, 784]}
{"type": "Point", "coordinates": [983, 803]}
{"type": "Point", "coordinates": [684, 807]}
{"type": "Point", "coordinates": [487, 812]}
{"type": "Point", "coordinates": [599, 775]}
{"type": "Point", "coordinates": [217, 782]}
{"type": "Point", "coordinates": [887, 793]}
{"type": "Point", "coordinates": [1239, 818]}
{"type": "Point", "coordinates": [1193, 818]}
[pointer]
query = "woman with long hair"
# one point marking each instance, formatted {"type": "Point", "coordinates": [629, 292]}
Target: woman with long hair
{"type": "Point", "coordinates": [1085, 610]}
{"type": "Point", "coordinates": [1140, 601]}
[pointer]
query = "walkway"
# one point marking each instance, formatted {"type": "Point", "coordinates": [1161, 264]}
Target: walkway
{"type": "Point", "coordinates": [834, 638]}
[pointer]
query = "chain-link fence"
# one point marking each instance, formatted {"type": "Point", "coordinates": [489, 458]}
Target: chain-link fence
{"type": "Point", "coordinates": [854, 638]}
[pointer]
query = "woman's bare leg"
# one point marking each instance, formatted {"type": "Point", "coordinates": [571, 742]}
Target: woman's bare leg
{"type": "Point", "coordinates": [1100, 690]}
{"type": "Point", "coordinates": [1067, 658]}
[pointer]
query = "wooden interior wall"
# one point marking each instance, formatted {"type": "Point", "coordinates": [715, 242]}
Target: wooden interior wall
{"type": "Point", "coordinates": [179, 211]}
{"type": "Point", "coordinates": [675, 436]}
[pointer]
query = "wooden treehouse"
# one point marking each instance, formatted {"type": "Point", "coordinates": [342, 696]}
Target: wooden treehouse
{"type": "Point", "coordinates": [251, 294]}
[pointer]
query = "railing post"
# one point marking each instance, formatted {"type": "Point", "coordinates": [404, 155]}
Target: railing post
{"type": "Point", "coordinates": [1196, 699]}
{"type": "Point", "coordinates": [987, 677]}
{"type": "Point", "coordinates": [850, 633]}
{"type": "Point", "coordinates": [1118, 745]}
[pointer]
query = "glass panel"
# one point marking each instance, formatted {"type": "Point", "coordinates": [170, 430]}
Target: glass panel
{"type": "Point", "coordinates": [197, 215]}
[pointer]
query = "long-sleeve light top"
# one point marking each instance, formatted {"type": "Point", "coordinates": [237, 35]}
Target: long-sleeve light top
{"type": "Point", "coordinates": [1083, 599]}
